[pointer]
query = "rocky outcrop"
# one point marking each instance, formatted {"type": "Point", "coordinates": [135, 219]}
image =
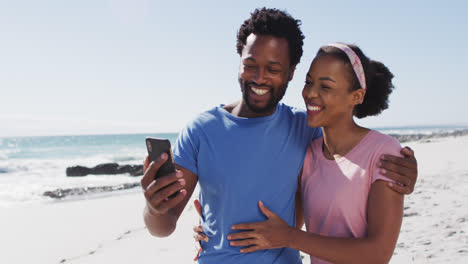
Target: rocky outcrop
{"type": "Point", "coordinates": [424, 137]}
{"type": "Point", "coordinates": [61, 193]}
{"type": "Point", "coordinates": [105, 169]}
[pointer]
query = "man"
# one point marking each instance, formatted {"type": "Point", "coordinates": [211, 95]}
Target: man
{"type": "Point", "coordinates": [247, 151]}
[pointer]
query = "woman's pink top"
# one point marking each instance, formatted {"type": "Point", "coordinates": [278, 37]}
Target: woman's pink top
{"type": "Point", "coordinates": [335, 192]}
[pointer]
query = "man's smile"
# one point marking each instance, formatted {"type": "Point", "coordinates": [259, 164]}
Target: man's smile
{"type": "Point", "coordinates": [259, 91]}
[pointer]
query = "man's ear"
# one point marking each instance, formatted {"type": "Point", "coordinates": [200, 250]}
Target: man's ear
{"type": "Point", "coordinates": [291, 73]}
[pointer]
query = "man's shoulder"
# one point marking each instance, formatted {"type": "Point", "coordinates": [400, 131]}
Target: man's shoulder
{"type": "Point", "coordinates": [298, 121]}
{"type": "Point", "coordinates": [204, 118]}
{"type": "Point", "coordinates": [293, 112]}
{"type": "Point", "coordinates": [292, 109]}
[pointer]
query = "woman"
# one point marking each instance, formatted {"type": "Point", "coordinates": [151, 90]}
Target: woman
{"type": "Point", "coordinates": [350, 214]}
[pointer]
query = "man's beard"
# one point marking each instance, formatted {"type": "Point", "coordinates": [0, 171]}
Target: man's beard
{"type": "Point", "coordinates": [275, 97]}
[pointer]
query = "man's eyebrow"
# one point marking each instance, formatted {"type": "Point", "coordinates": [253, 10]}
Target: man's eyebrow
{"type": "Point", "coordinates": [326, 79]}
{"type": "Point", "coordinates": [275, 63]}
{"type": "Point", "coordinates": [269, 62]}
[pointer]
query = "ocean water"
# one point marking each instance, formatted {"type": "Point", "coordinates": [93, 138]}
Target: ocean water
{"type": "Point", "coordinates": [29, 166]}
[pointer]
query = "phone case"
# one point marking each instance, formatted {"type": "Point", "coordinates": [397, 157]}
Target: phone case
{"type": "Point", "coordinates": [156, 147]}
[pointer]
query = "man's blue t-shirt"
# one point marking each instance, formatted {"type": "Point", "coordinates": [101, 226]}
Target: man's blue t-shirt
{"type": "Point", "coordinates": [240, 161]}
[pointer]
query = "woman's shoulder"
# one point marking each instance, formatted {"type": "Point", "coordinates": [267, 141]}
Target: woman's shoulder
{"type": "Point", "coordinates": [379, 136]}
{"type": "Point", "coordinates": [383, 142]}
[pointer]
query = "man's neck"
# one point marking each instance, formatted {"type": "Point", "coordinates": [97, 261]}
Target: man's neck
{"type": "Point", "coordinates": [240, 109]}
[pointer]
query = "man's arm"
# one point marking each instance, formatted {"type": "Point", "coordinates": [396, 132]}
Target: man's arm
{"type": "Point", "coordinates": [402, 170]}
{"type": "Point", "coordinates": [161, 212]}
{"type": "Point", "coordinates": [299, 209]}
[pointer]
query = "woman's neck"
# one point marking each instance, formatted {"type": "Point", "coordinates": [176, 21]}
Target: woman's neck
{"type": "Point", "coordinates": [341, 138]}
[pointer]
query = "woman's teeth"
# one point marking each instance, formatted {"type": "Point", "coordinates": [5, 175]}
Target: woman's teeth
{"type": "Point", "coordinates": [314, 108]}
{"type": "Point", "coordinates": [259, 91]}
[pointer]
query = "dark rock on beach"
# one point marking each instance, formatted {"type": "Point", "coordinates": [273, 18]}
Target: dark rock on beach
{"type": "Point", "coordinates": [78, 171]}
{"type": "Point", "coordinates": [105, 169]}
{"type": "Point", "coordinates": [133, 170]}
{"type": "Point", "coordinates": [61, 193]}
{"type": "Point", "coordinates": [425, 137]}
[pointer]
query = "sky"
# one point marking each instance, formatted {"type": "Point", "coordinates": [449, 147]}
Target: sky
{"type": "Point", "coordinates": [140, 66]}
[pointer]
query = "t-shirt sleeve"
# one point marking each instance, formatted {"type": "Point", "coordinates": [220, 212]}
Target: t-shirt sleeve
{"type": "Point", "coordinates": [312, 133]}
{"type": "Point", "coordinates": [305, 132]}
{"type": "Point", "coordinates": [186, 147]}
{"type": "Point", "coordinates": [317, 132]}
{"type": "Point", "coordinates": [392, 147]}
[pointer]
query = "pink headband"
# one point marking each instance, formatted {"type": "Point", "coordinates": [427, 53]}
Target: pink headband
{"type": "Point", "coordinates": [355, 61]}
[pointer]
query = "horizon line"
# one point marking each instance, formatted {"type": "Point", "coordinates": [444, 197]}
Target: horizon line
{"type": "Point", "coordinates": [174, 132]}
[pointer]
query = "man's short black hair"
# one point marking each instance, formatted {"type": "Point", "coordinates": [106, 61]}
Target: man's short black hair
{"type": "Point", "coordinates": [277, 23]}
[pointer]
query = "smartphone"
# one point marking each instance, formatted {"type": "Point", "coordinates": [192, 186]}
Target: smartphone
{"type": "Point", "coordinates": [156, 147]}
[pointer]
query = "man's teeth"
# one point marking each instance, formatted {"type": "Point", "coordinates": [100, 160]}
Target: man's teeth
{"type": "Point", "coordinates": [259, 91]}
{"type": "Point", "coordinates": [314, 108]}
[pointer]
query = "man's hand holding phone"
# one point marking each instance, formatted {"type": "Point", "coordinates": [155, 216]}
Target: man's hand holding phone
{"type": "Point", "coordinates": [158, 191]}
{"type": "Point", "coordinates": [167, 188]}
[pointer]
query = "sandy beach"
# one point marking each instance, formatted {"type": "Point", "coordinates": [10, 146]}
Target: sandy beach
{"type": "Point", "coordinates": [110, 229]}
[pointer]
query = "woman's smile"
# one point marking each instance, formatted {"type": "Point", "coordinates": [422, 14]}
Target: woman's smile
{"type": "Point", "coordinates": [313, 109]}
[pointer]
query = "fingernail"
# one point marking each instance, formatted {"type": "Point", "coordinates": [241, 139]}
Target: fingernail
{"type": "Point", "coordinates": [231, 243]}
{"type": "Point", "coordinates": [179, 174]}
{"type": "Point", "coordinates": [390, 184]}
{"type": "Point", "coordinates": [382, 156]}
{"type": "Point", "coordinates": [206, 239]}
{"type": "Point", "coordinates": [182, 182]}
{"type": "Point", "coordinates": [164, 155]}
{"type": "Point", "coordinates": [379, 163]}
{"type": "Point", "coordinates": [242, 251]}
{"type": "Point", "coordinates": [383, 171]}
{"type": "Point", "coordinates": [228, 237]}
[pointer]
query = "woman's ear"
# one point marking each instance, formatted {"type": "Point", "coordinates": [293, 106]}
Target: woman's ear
{"type": "Point", "coordinates": [357, 96]}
